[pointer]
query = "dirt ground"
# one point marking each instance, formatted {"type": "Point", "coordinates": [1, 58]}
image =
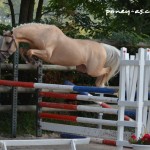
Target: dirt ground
{"type": "Point", "coordinates": [79, 147]}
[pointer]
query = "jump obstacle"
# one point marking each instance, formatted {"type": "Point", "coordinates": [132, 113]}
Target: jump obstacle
{"type": "Point", "coordinates": [73, 97]}
{"type": "Point", "coordinates": [131, 77]}
{"type": "Point", "coordinates": [134, 80]}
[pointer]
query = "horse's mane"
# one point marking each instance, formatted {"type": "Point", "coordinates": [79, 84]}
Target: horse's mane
{"type": "Point", "coordinates": [28, 25]}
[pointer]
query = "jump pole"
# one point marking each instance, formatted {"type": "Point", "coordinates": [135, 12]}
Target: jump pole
{"type": "Point", "coordinates": [78, 107]}
{"type": "Point", "coordinates": [68, 88]}
{"type": "Point", "coordinates": [79, 97]}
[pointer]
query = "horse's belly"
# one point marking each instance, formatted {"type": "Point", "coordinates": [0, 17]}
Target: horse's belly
{"type": "Point", "coordinates": [67, 59]}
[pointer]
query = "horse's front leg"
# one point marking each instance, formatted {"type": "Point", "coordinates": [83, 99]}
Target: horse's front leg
{"type": "Point", "coordinates": [41, 54]}
{"type": "Point", "coordinates": [23, 53]}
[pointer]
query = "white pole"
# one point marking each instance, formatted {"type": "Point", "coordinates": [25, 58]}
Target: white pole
{"type": "Point", "coordinates": [140, 89]}
{"type": "Point", "coordinates": [122, 91]}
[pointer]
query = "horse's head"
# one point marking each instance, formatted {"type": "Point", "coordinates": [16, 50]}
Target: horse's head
{"type": "Point", "coordinates": [7, 45]}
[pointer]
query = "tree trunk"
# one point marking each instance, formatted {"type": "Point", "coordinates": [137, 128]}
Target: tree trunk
{"type": "Point", "coordinates": [24, 7]}
{"type": "Point", "coordinates": [12, 13]}
{"type": "Point", "coordinates": [26, 11]}
{"type": "Point", "coordinates": [31, 11]}
{"type": "Point", "coordinates": [39, 11]}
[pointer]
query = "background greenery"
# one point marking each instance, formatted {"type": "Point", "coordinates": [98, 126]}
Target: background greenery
{"type": "Point", "coordinates": [86, 19]}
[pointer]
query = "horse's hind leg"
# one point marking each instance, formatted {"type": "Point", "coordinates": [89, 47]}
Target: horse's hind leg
{"type": "Point", "coordinates": [98, 72]}
{"type": "Point", "coordinates": [101, 75]}
{"type": "Point", "coordinates": [101, 80]}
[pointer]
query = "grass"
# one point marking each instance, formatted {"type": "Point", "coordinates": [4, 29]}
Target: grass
{"type": "Point", "coordinates": [25, 123]}
{"type": "Point", "coordinates": [5, 121]}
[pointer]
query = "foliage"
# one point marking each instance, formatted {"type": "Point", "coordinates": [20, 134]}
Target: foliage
{"type": "Point", "coordinates": [88, 19]}
{"type": "Point", "coordinates": [4, 12]}
{"type": "Point", "coordinates": [4, 27]}
{"type": "Point", "coordinates": [136, 22]}
{"type": "Point", "coordinates": [77, 15]}
{"type": "Point", "coordinates": [128, 38]}
{"type": "Point", "coordinates": [143, 140]}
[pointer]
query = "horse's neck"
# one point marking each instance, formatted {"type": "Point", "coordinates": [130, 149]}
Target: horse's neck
{"type": "Point", "coordinates": [23, 34]}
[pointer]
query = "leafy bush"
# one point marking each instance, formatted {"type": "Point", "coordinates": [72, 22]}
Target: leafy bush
{"type": "Point", "coordinates": [4, 27]}
{"type": "Point", "coordinates": [128, 38]}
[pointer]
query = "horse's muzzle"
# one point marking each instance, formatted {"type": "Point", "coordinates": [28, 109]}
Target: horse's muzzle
{"type": "Point", "coordinates": [2, 57]}
{"type": "Point", "coordinates": [4, 54]}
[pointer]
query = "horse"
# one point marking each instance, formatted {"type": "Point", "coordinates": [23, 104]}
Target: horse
{"type": "Point", "coordinates": [50, 44]}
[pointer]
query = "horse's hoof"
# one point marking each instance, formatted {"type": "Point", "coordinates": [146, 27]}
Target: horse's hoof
{"type": "Point", "coordinates": [38, 64]}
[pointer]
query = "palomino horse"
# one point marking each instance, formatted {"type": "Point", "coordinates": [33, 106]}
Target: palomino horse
{"type": "Point", "coordinates": [50, 44]}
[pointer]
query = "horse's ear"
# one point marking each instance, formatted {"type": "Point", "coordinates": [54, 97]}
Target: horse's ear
{"type": "Point", "coordinates": [7, 32]}
{"type": "Point", "coordinates": [4, 32]}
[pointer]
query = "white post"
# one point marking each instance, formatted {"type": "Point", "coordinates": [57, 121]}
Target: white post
{"type": "Point", "coordinates": [122, 91]}
{"type": "Point", "coordinates": [127, 69]}
{"type": "Point", "coordinates": [146, 90]}
{"type": "Point", "coordinates": [148, 121]}
{"type": "Point", "coordinates": [133, 80]}
{"type": "Point", "coordinates": [100, 115]}
{"type": "Point", "coordinates": [140, 89]}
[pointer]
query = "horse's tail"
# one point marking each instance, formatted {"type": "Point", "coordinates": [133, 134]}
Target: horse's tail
{"type": "Point", "coordinates": [112, 60]}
